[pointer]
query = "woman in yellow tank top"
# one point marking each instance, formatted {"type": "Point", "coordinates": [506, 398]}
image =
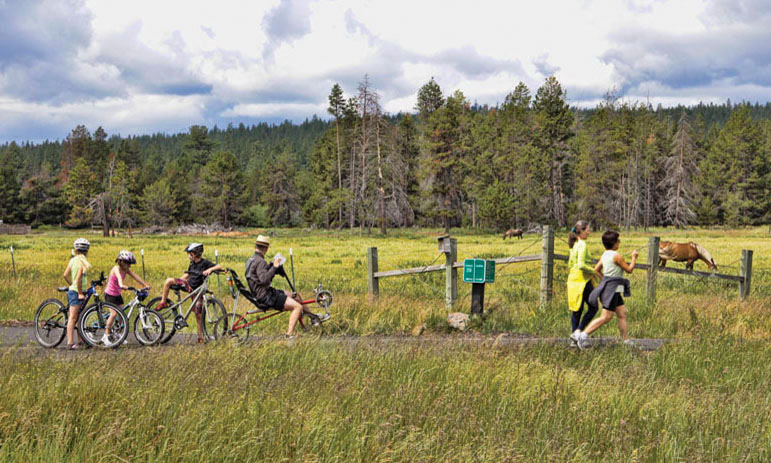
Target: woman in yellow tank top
{"type": "Point", "coordinates": [580, 277]}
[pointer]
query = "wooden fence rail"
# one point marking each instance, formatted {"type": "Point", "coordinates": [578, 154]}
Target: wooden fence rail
{"type": "Point", "coordinates": [547, 259]}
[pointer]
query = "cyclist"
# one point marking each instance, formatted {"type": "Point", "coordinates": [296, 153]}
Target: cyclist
{"type": "Point", "coordinates": [115, 285]}
{"type": "Point", "coordinates": [198, 270]}
{"type": "Point", "coordinates": [259, 274]}
{"type": "Point", "coordinates": [76, 276]}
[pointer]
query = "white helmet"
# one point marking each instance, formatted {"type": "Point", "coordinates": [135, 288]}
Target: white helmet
{"type": "Point", "coordinates": [127, 257]}
{"type": "Point", "coordinates": [81, 244]}
{"type": "Point", "coordinates": [195, 248]}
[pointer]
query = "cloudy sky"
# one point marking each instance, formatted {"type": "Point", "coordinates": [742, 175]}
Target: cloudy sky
{"type": "Point", "coordinates": [145, 66]}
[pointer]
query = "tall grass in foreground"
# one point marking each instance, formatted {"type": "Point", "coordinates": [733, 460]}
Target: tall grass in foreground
{"type": "Point", "coordinates": [333, 401]}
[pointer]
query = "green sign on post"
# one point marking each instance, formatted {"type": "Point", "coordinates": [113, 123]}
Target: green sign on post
{"type": "Point", "coordinates": [478, 271]}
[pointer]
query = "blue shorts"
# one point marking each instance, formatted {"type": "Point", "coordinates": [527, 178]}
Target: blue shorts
{"type": "Point", "coordinates": [72, 298]}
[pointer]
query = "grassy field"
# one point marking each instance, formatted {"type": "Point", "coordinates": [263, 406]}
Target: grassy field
{"type": "Point", "coordinates": [338, 260]}
{"type": "Point", "coordinates": [703, 400]}
{"type": "Point", "coordinates": [703, 397]}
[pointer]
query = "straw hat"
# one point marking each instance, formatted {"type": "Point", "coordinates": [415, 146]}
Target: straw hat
{"type": "Point", "coordinates": [262, 240]}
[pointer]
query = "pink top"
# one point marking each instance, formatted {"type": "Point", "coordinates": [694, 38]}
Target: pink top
{"type": "Point", "coordinates": [113, 288]}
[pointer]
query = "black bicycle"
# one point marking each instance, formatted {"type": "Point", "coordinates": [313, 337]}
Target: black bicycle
{"type": "Point", "coordinates": [52, 315]}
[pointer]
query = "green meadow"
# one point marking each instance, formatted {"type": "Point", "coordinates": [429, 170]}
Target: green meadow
{"type": "Point", "coordinates": [704, 396]}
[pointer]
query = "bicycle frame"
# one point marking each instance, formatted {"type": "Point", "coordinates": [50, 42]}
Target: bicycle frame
{"type": "Point", "coordinates": [128, 309]}
{"type": "Point", "coordinates": [237, 324]}
{"type": "Point", "coordinates": [198, 294]}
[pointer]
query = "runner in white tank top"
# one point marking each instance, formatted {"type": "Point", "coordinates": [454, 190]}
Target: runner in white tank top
{"type": "Point", "coordinates": [612, 265]}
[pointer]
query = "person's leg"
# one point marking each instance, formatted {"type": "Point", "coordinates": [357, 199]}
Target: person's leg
{"type": "Point", "coordinates": [198, 311]}
{"type": "Point", "coordinates": [166, 287]}
{"type": "Point", "coordinates": [622, 323]}
{"type": "Point", "coordinates": [575, 319]}
{"type": "Point", "coordinates": [297, 310]}
{"type": "Point", "coordinates": [605, 317]}
{"type": "Point", "coordinates": [71, 321]}
{"type": "Point", "coordinates": [591, 310]}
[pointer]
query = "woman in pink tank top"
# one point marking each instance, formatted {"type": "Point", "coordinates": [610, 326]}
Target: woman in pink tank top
{"type": "Point", "coordinates": [116, 283]}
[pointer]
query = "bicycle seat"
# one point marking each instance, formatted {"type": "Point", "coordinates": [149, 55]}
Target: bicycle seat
{"type": "Point", "coordinates": [63, 289]}
{"type": "Point", "coordinates": [248, 294]}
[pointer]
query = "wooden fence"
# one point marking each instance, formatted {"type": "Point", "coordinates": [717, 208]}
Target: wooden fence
{"type": "Point", "coordinates": [12, 229]}
{"type": "Point", "coordinates": [547, 258]}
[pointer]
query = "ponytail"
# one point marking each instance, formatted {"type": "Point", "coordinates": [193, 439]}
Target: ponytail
{"type": "Point", "coordinates": [579, 227]}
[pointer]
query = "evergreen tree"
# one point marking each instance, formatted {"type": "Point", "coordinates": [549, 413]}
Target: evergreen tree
{"type": "Point", "coordinates": [554, 121]}
{"type": "Point", "coordinates": [222, 188]}
{"type": "Point", "coordinates": [158, 204]}
{"type": "Point", "coordinates": [429, 98]}
{"type": "Point", "coordinates": [82, 187]}
{"type": "Point", "coordinates": [42, 201]}
{"type": "Point", "coordinates": [336, 106]}
{"type": "Point", "coordinates": [443, 148]}
{"type": "Point", "coordinates": [681, 169]}
{"type": "Point", "coordinates": [734, 171]}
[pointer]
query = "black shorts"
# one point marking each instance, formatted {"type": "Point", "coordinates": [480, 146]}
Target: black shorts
{"type": "Point", "coordinates": [617, 301]}
{"type": "Point", "coordinates": [274, 299]}
{"type": "Point", "coordinates": [117, 300]}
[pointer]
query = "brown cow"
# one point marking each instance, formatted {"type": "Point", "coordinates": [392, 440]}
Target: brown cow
{"type": "Point", "coordinates": [684, 252]}
{"type": "Point", "coordinates": [512, 232]}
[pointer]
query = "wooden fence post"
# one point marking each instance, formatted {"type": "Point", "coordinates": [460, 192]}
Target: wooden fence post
{"type": "Point", "coordinates": [451, 274]}
{"type": "Point", "coordinates": [374, 289]}
{"type": "Point", "coordinates": [547, 266]}
{"type": "Point", "coordinates": [653, 263]}
{"type": "Point", "coordinates": [746, 272]}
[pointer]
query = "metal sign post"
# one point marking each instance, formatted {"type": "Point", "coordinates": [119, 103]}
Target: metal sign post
{"type": "Point", "coordinates": [13, 261]}
{"type": "Point", "coordinates": [478, 272]}
{"type": "Point", "coordinates": [217, 261]}
{"type": "Point", "coordinates": [291, 264]}
{"type": "Point", "coordinates": [142, 251]}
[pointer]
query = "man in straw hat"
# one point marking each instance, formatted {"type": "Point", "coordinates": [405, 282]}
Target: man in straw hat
{"type": "Point", "coordinates": [259, 274]}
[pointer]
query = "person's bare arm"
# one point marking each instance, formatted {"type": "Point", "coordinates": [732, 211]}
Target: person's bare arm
{"type": "Point", "coordinates": [78, 283]}
{"type": "Point", "coordinates": [66, 275]}
{"type": "Point", "coordinates": [598, 269]}
{"type": "Point", "coordinates": [212, 269]}
{"type": "Point", "coordinates": [138, 280]}
{"type": "Point", "coordinates": [628, 268]}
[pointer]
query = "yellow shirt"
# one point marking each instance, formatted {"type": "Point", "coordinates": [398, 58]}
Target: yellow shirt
{"type": "Point", "coordinates": [75, 265]}
{"type": "Point", "coordinates": [580, 273]}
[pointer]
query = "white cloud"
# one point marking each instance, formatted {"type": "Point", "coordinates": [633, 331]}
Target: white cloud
{"type": "Point", "coordinates": [145, 65]}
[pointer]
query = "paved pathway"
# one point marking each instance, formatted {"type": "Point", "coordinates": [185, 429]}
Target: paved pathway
{"type": "Point", "coordinates": [24, 336]}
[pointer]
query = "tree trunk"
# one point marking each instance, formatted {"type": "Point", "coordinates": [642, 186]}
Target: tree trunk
{"type": "Point", "coordinates": [339, 169]}
{"type": "Point", "coordinates": [380, 190]}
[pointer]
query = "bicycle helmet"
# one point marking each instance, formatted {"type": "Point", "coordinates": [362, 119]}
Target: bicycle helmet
{"type": "Point", "coordinates": [127, 257]}
{"type": "Point", "coordinates": [81, 244]}
{"type": "Point", "coordinates": [195, 248]}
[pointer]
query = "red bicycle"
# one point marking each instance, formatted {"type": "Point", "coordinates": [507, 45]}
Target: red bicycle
{"type": "Point", "coordinates": [238, 325]}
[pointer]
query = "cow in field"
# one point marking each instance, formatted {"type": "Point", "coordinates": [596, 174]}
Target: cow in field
{"type": "Point", "coordinates": [512, 232]}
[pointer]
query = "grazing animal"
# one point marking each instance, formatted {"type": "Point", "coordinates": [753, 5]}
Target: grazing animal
{"type": "Point", "coordinates": [512, 232]}
{"type": "Point", "coordinates": [685, 252]}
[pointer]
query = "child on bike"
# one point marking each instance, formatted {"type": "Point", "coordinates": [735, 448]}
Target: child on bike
{"type": "Point", "coordinates": [76, 275]}
{"type": "Point", "coordinates": [198, 270]}
{"type": "Point", "coordinates": [259, 274]}
{"type": "Point", "coordinates": [611, 288]}
{"type": "Point", "coordinates": [112, 292]}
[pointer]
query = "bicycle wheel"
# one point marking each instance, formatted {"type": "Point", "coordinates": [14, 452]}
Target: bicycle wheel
{"type": "Point", "coordinates": [211, 319]}
{"type": "Point", "coordinates": [51, 323]}
{"type": "Point", "coordinates": [148, 326]}
{"type": "Point", "coordinates": [92, 325]}
{"type": "Point", "coordinates": [168, 315]}
{"type": "Point", "coordinates": [240, 335]}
